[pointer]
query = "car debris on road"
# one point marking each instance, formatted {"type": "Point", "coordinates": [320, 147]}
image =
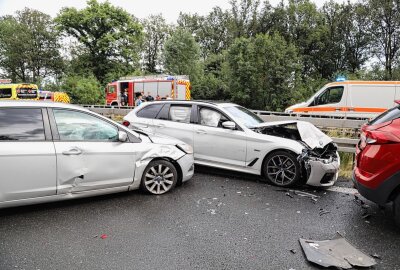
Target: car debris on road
{"type": "Point", "coordinates": [337, 253]}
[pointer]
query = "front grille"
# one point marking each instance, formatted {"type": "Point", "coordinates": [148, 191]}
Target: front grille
{"type": "Point", "coordinates": [328, 177]}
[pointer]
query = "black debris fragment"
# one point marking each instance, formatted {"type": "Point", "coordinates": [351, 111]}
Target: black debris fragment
{"type": "Point", "coordinates": [323, 212]}
{"type": "Point", "coordinates": [366, 216]}
{"type": "Point", "coordinates": [293, 251]}
{"type": "Point", "coordinates": [337, 253]}
{"type": "Point", "coordinates": [290, 193]}
{"type": "Point", "coordinates": [376, 256]}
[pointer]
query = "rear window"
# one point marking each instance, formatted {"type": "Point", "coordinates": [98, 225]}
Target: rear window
{"type": "Point", "coordinates": [5, 93]}
{"type": "Point", "coordinates": [150, 111]}
{"type": "Point", "coordinates": [387, 116]}
{"type": "Point", "coordinates": [21, 124]}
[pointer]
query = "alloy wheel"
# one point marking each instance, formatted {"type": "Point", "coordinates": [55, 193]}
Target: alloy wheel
{"type": "Point", "coordinates": [159, 179]}
{"type": "Point", "coordinates": [281, 170]}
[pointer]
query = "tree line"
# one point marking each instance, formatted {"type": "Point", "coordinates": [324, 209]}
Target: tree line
{"type": "Point", "coordinates": [255, 54]}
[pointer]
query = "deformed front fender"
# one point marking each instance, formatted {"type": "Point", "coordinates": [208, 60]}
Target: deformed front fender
{"type": "Point", "coordinates": [151, 153]}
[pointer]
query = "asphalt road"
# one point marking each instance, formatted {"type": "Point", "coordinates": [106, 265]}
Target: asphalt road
{"type": "Point", "coordinates": [217, 220]}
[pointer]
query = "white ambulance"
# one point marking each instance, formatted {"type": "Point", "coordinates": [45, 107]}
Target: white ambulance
{"type": "Point", "coordinates": [363, 99]}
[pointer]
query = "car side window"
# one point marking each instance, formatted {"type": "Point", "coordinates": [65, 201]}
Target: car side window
{"type": "Point", "coordinates": [5, 92]}
{"type": "Point", "coordinates": [111, 89]}
{"type": "Point", "coordinates": [150, 111]}
{"type": "Point", "coordinates": [211, 118]}
{"type": "Point", "coordinates": [331, 96]}
{"type": "Point", "coordinates": [21, 124]}
{"type": "Point", "coordinates": [79, 126]}
{"type": "Point", "coordinates": [180, 113]}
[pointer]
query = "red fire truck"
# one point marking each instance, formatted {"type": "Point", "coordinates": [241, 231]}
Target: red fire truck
{"type": "Point", "coordinates": [161, 86]}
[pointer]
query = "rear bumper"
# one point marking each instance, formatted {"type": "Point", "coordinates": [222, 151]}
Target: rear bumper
{"type": "Point", "coordinates": [187, 166]}
{"type": "Point", "coordinates": [380, 195]}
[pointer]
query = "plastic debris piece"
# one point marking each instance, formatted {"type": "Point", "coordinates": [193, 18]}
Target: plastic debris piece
{"type": "Point", "coordinates": [323, 212]}
{"type": "Point", "coordinates": [293, 251]}
{"type": "Point", "coordinates": [335, 253]}
{"type": "Point", "coordinates": [366, 216]}
{"type": "Point", "coordinates": [376, 256]}
{"type": "Point", "coordinates": [103, 236]}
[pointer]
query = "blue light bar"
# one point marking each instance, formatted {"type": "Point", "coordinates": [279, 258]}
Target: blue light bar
{"type": "Point", "coordinates": [340, 78]}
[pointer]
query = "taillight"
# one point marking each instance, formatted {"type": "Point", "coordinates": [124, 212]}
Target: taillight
{"type": "Point", "coordinates": [126, 123]}
{"type": "Point", "coordinates": [379, 137]}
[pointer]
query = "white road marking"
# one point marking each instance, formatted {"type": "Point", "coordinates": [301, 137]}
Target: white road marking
{"type": "Point", "coordinates": [345, 190]}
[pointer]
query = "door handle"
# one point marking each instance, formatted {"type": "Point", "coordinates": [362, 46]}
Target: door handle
{"type": "Point", "coordinates": [201, 131]}
{"type": "Point", "coordinates": [337, 109]}
{"type": "Point", "coordinates": [160, 126]}
{"type": "Point", "coordinates": [73, 151]}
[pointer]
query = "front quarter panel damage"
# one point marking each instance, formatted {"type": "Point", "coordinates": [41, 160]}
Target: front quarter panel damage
{"type": "Point", "coordinates": [321, 165]}
{"type": "Point", "coordinates": [319, 156]}
{"type": "Point", "coordinates": [148, 153]}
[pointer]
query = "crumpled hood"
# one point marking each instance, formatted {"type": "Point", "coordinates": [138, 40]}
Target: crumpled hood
{"type": "Point", "coordinates": [309, 133]}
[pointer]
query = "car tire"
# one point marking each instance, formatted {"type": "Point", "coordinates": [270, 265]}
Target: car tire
{"type": "Point", "coordinates": [159, 177]}
{"type": "Point", "coordinates": [281, 168]}
{"type": "Point", "coordinates": [396, 209]}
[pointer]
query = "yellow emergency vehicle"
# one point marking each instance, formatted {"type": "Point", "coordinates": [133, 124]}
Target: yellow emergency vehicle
{"type": "Point", "coordinates": [18, 91]}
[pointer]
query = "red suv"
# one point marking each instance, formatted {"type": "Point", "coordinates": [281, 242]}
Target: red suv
{"type": "Point", "coordinates": [377, 170]}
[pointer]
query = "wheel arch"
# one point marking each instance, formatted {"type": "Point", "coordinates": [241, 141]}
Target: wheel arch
{"type": "Point", "coordinates": [177, 167]}
{"type": "Point", "coordinates": [272, 152]}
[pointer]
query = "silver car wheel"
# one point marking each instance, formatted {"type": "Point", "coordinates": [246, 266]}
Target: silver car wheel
{"type": "Point", "coordinates": [281, 170]}
{"type": "Point", "coordinates": [159, 179]}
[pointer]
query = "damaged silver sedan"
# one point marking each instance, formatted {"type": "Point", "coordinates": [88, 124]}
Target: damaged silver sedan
{"type": "Point", "coordinates": [53, 151]}
{"type": "Point", "coordinates": [228, 136]}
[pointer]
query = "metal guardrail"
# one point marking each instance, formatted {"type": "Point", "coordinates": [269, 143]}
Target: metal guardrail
{"type": "Point", "coordinates": [344, 144]}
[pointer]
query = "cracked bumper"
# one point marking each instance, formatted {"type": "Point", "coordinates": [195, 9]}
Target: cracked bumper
{"type": "Point", "coordinates": [323, 174]}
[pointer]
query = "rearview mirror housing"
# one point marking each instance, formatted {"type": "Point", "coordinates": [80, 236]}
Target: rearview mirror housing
{"type": "Point", "coordinates": [229, 125]}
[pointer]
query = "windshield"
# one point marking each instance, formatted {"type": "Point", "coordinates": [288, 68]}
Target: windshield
{"type": "Point", "coordinates": [312, 98]}
{"type": "Point", "coordinates": [244, 116]}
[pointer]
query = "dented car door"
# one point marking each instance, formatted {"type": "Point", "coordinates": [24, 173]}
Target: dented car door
{"type": "Point", "coordinates": [26, 146]}
{"type": "Point", "coordinates": [89, 155]}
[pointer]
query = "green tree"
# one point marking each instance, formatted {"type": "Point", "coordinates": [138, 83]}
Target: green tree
{"type": "Point", "coordinates": [83, 89]}
{"type": "Point", "coordinates": [211, 85]}
{"type": "Point", "coordinates": [357, 40]}
{"type": "Point", "coordinates": [156, 32]}
{"type": "Point", "coordinates": [385, 29]}
{"type": "Point", "coordinates": [110, 36]}
{"type": "Point", "coordinates": [29, 46]}
{"type": "Point", "coordinates": [244, 17]}
{"type": "Point", "coordinates": [181, 54]}
{"type": "Point", "coordinates": [262, 72]}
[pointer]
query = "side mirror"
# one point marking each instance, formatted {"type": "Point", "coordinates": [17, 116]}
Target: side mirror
{"type": "Point", "coordinates": [122, 136]}
{"type": "Point", "coordinates": [229, 125]}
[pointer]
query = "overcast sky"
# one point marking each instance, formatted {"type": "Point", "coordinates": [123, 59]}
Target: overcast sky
{"type": "Point", "coordinates": [140, 8]}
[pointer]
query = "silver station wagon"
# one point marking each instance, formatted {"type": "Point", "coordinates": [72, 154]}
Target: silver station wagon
{"type": "Point", "coordinates": [228, 136]}
{"type": "Point", "coordinates": [53, 151]}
